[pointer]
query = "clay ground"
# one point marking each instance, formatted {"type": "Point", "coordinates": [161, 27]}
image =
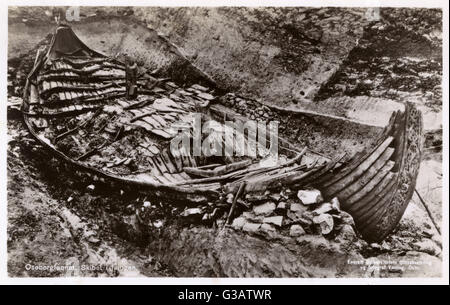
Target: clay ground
{"type": "Point", "coordinates": [286, 57]}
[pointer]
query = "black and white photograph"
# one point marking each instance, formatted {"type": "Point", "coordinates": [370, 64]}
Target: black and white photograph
{"type": "Point", "coordinates": [229, 141]}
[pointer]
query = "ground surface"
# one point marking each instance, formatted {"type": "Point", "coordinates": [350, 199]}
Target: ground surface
{"type": "Point", "coordinates": [53, 218]}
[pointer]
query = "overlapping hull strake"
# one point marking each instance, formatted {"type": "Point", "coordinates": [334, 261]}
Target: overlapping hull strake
{"type": "Point", "coordinates": [75, 105]}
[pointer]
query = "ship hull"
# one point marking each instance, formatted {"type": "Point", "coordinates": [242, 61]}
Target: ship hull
{"type": "Point", "coordinates": [72, 87]}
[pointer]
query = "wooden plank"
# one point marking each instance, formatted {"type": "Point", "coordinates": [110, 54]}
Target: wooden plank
{"type": "Point", "coordinates": [159, 119]}
{"type": "Point", "coordinates": [143, 177]}
{"type": "Point", "coordinates": [171, 178]}
{"type": "Point", "coordinates": [75, 94]}
{"type": "Point", "coordinates": [179, 177]}
{"type": "Point", "coordinates": [153, 149]}
{"type": "Point", "coordinates": [163, 179]}
{"type": "Point", "coordinates": [147, 153]}
{"type": "Point", "coordinates": [399, 136]}
{"type": "Point", "coordinates": [161, 133]}
{"type": "Point", "coordinates": [163, 170]}
{"type": "Point", "coordinates": [314, 178]}
{"type": "Point", "coordinates": [160, 164]}
{"type": "Point", "coordinates": [145, 145]}
{"type": "Point", "coordinates": [160, 180]}
{"type": "Point", "coordinates": [144, 125]}
{"type": "Point", "coordinates": [355, 198]}
{"type": "Point", "coordinates": [171, 117]}
{"type": "Point", "coordinates": [122, 103]}
{"type": "Point", "coordinates": [185, 176]}
{"type": "Point", "coordinates": [34, 95]}
{"type": "Point", "coordinates": [68, 95]}
{"type": "Point", "coordinates": [343, 169]}
{"type": "Point", "coordinates": [45, 86]}
{"type": "Point", "coordinates": [178, 163]}
{"type": "Point", "coordinates": [155, 168]}
{"type": "Point", "coordinates": [140, 114]}
{"type": "Point", "coordinates": [168, 162]}
{"type": "Point", "coordinates": [199, 87]}
{"type": "Point", "coordinates": [206, 96]}
{"type": "Point", "coordinates": [370, 202]}
{"type": "Point", "coordinates": [136, 112]}
{"type": "Point", "coordinates": [185, 161]}
{"type": "Point", "coordinates": [350, 177]}
{"type": "Point", "coordinates": [366, 222]}
{"type": "Point", "coordinates": [152, 122]}
{"type": "Point", "coordinates": [192, 161]}
{"type": "Point", "coordinates": [366, 177]}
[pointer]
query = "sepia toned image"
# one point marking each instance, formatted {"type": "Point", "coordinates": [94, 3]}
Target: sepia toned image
{"type": "Point", "coordinates": [224, 142]}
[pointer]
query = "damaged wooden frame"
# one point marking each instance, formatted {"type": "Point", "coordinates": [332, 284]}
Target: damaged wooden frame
{"type": "Point", "coordinates": [75, 104]}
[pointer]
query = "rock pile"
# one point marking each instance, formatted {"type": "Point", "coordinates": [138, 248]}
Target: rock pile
{"type": "Point", "coordinates": [306, 214]}
{"type": "Point", "coordinates": [288, 214]}
{"type": "Point", "coordinates": [249, 108]}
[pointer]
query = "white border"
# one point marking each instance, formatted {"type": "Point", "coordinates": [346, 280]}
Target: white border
{"type": "Point", "coordinates": [225, 281]}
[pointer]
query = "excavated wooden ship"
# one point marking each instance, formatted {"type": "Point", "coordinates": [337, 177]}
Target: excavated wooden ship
{"type": "Point", "coordinates": [76, 105]}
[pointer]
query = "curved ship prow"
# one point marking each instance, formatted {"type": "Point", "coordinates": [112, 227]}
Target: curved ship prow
{"type": "Point", "coordinates": [377, 187]}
